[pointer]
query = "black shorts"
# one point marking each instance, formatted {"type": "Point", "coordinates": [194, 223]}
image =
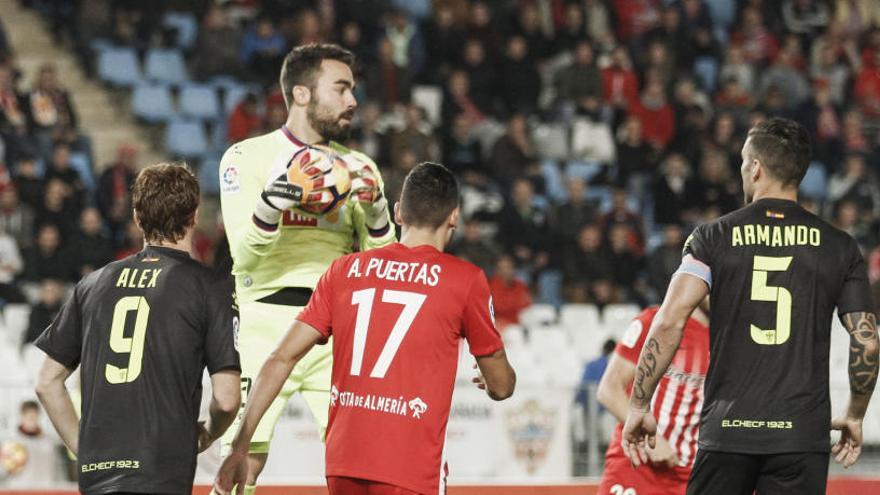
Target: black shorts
{"type": "Point", "coordinates": [721, 473]}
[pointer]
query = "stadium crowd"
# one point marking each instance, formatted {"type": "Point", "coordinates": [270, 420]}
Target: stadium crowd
{"type": "Point", "coordinates": [590, 136]}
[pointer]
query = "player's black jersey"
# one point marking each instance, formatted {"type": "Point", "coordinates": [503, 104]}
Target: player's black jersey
{"type": "Point", "coordinates": [777, 273]}
{"type": "Point", "coordinates": [143, 330]}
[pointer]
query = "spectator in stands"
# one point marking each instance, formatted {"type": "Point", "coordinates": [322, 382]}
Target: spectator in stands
{"type": "Point", "coordinates": [584, 264]}
{"type": "Point", "coordinates": [733, 99]}
{"type": "Point", "coordinates": [579, 85]}
{"type": "Point", "coordinates": [30, 185]}
{"type": "Point", "coordinates": [655, 112]}
{"type": "Point", "coordinates": [472, 246]}
{"type": "Point", "coordinates": [46, 259]}
{"type": "Point", "coordinates": [47, 308]}
{"type": "Point", "coordinates": [481, 27]}
{"type": "Point", "coordinates": [461, 150]}
{"type": "Point", "coordinates": [262, 50]}
{"type": "Point", "coordinates": [245, 120]}
{"type": "Point", "coordinates": [10, 266]}
{"type": "Point", "coordinates": [457, 101]}
{"type": "Point", "coordinates": [523, 227]}
{"type": "Point", "coordinates": [370, 136]}
{"type": "Point", "coordinates": [133, 242]}
{"type": "Point", "coordinates": [784, 76]}
{"type": "Point", "coordinates": [593, 372]}
{"type": "Point", "coordinates": [758, 42]}
{"type": "Point", "coordinates": [573, 28]}
{"type": "Point", "coordinates": [57, 209]}
{"type": "Point", "coordinates": [620, 86]}
{"type": "Point", "coordinates": [853, 136]}
{"type": "Point", "coordinates": [482, 74]}
{"type": "Point", "coordinates": [61, 169]}
{"type": "Point", "coordinates": [217, 45]}
{"type": "Point", "coordinates": [416, 136]}
{"type": "Point", "coordinates": [626, 263]}
{"type": "Point", "coordinates": [665, 259]}
{"type": "Point", "coordinates": [850, 219]}
{"type": "Point", "coordinates": [16, 218]}
{"type": "Point", "coordinates": [620, 213]}
{"type": "Point", "coordinates": [718, 187]}
{"type": "Point", "coordinates": [385, 82]}
{"type": "Point", "coordinates": [13, 114]}
{"type": "Point", "coordinates": [113, 193]}
{"type": "Point", "coordinates": [738, 68]}
{"type": "Point", "coordinates": [89, 247]}
{"type": "Point", "coordinates": [519, 78]}
{"type": "Point", "coordinates": [636, 159]}
{"type": "Point", "coordinates": [866, 88]}
{"type": "Point", "coordinates": [444, 40]}
{"type": "Point", "coordinates": [509, 294]}
{"type": "Point", "coordinates": [856, 183]}
{"type": "Point", "coordinates": [41, 451]}
{"type": "Point", "coordinates": [513, 154]}
{"type": "Point", "coordinates": [829, 69]}
{"type": "Point", "coordinates": [407, 44]}
{"type": "Point", "coordinates": [527, 25]}
{"type": "Point", "coordinates": [570, 217]}
{"type": "Point", "coordinates": [50, 109]}
{"type": "Point", "coordinates": [675, 190]}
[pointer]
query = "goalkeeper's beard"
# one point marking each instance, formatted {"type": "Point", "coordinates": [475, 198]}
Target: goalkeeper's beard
{"type": "Point", "coordinates": [329, 128]}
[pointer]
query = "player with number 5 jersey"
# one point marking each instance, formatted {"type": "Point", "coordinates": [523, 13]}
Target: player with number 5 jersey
{"type": "Point", "coordinates": [397, 316]}
{"type": "Point", "coordinates": [775, 273]}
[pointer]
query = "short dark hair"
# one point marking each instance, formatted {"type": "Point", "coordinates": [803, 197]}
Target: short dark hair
{"type": "Point", "coordinates": [165, 197]}
{"type": "Point", "coordinates": [29, 405]}
{"type": "Point", "coordinates": [302, 64]}
{"type": "Point", "coordinates": [783, 147]}
{"type": "Point", "coordinates": [429, 195]}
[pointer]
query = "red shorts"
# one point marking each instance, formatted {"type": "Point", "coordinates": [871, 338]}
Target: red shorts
{"type": "Point", "coordinates": [619, 478]}
{"type": "Point", "coordinates": [340, 485]}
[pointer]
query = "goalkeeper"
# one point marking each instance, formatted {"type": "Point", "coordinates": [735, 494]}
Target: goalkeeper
{"type": "Point", "coordinates": [279, 255]}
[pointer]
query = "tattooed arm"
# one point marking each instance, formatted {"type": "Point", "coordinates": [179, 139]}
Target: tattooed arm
{"type": "Point", "coordinates": [863, 367]}
{"type": "Point", "coordinates": [685, 293]}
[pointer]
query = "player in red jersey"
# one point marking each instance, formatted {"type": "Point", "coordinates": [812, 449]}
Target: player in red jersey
{"type": "Point", "coordinates": [397, 315]}
{"type": "Point", "coordinates": [676, 405]}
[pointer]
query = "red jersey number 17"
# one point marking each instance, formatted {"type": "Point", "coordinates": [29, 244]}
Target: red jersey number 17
{"type": "Point", "coordinates": [364, 299]}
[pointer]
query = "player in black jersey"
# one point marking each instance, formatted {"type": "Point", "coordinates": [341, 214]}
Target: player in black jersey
{"type": "Point", "coordinates": [142, 330]}
{"type": "Point", "coordinates": [775, 273]}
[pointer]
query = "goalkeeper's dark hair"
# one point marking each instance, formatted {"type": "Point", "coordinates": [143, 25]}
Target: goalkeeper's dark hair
{"type": "Point", "coordinates": [783, 147]}
{"type": "Point", "coordinates": [165, 197]}
{"type": "Point", "coordinates": [429, 195]}
{"type": "Point", "coordinates": [303, 64]}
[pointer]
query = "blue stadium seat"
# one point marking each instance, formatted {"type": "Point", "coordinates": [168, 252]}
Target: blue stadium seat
{"type": "Point", "coordinates": [119, 66]}
{"type": "Point", "coordinates": [186, 25]}
{"type": "Point", "coordinates": [209, 178]}
{"type": "Point", "coordinates": [186, 138]}
{"type": "Point", "coordinates": [152, 103]}
{"type": "Point", "coordinates": [199, 101]}
{"type": "Point", "coordinates": [815, 183]}
{"type": "Point", "coordinates": [165, 65]}
{"type": "Point", "coordinates": [232, 96]}
{"type": "Point", "coordinates": [80, 162]}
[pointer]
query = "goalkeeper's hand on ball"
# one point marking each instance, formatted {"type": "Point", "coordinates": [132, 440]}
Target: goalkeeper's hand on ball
{"type": "Point", "coordinates": [366, 191]}
{"type": "Point", "coordinates": [290, 184]}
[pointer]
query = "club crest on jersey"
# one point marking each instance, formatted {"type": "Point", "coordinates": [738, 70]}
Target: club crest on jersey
{"type": "Point", "coordinates": [230, 181]}
{"type": "Point", "coordinates": [418, 407]}
{"type": "Point", "coordinates": [334, 394]}
{"type": "Point", "coordinates": [531, 429]}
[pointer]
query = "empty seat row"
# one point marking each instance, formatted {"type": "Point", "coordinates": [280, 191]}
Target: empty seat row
{"type": "Point", "coordinates": [120, 66]}
{"type": "Point", "coordinates": [154, 103]}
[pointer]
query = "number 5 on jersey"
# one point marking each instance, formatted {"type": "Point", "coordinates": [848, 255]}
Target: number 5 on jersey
{"type": "Point", "coordinates": [364, 299]}
{"type": "Point", "coordinates": [761, 266]}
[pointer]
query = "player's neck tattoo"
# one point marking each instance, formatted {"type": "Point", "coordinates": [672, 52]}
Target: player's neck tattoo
{"type": "Point", "coordinates": [863, 362]}
{"type": "Point", "coordinates": [647, 370]}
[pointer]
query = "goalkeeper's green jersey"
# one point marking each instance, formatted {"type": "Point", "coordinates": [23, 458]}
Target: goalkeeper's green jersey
{"type": "Point", "coordinates": [301, 249]}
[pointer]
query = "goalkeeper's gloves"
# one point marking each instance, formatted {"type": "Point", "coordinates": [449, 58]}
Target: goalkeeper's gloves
{"type": "Point", "coordinates": [278, 195]}
{"type": "Point", "coordinates": [366, 191]}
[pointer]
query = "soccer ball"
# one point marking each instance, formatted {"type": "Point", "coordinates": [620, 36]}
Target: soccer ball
{"type": "Point", "coordinates": [13, 458]}
{"type": "Point", "coordinates": [324, 178]}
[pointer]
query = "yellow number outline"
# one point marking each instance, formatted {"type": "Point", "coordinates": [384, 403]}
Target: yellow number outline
{"type": "Point", "coordinates": [761, 267]}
